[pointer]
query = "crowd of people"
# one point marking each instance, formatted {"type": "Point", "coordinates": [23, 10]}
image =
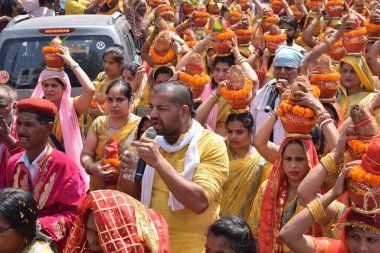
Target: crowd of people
{"type": "Point", "coordinates": [248, 127]}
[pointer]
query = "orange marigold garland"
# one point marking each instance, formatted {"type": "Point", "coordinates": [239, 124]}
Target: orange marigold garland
{"type": "Point", "coordinates": [354, 41]}
{"type": "Point", "coordinates": [327, 83]}
{"type": "Point", "coordinates": [93, 105]}
{"type": "Point", "coordinates": [237, 94]}
{"type": "Point", "coordinates": [112, 161]}
{"type": "Point", "coordinates": [161, 59]}
{"type": "Point", "coordinates": [223, 40]}
{"type": "Point", "coordinates": [361, 176]}
{"type": "Point", "coordinates": [358, 146]}
{"type": "Point", "coordinates": [297, 13]}
{"type": "Point", "coordinates": [196, 80]}
{"type": "Point", "coordinates": [334, 7]}
{"type": "Point", "coordinates": [373, 30]}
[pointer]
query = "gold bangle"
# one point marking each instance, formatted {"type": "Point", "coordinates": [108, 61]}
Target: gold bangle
{"type": "Point", "coordinates": [316, 209]}
{"type": "Point", "coordinates": [329, 163]}
{"type": "Point", "coordinates": [314, 22]}
{"type": "Point", "coordinates": [274, 115]}
{"type": "Point", "coordinates": [216, 99]}
{"type": "Point", "coordinates": [270, 75]}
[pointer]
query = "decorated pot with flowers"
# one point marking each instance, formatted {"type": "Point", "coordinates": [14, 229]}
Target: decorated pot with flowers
{"type": "Point", "coordinates": [296, 118]}
{"type": "Point", "coordinates": [297, 13]}
{"type": "Point", "coordinates": [189, 7]}
{"type": "Point", "coordinates": [360, 7]}
{"type": "Point", "coordinates": [161, 51]}
{"type": "Point", "coordinates": [334, 8]}
{"type": "Point", "coordinates": [111, 158]}
{"type": "Point", "coordinates": [53, 61]}
{"type": "Point", "coordinates": [238, 93]}
{"type": "Point", "coordinates": [363, 181]}
{"type": "Point", "coordinates": [244, 36]}
{"type": "Point", "coordinates": [166, 12]}
{"type": "Point", "coordinates": [372, 24]}
{"type": "Point", "coordinates": [200, 19]}
{"type": "Point", "coordinates": [214, 7]}
{"type": "Point", "coordinates": [354, 41]}
{"type": "Point", "coordinates": [276, 6]}
{"type": "Point", "coordinates": [327, 80]}
{"type": "Point", "coordinates": [365, 127]}
{"type": "Point", "coordinates": [244, 5]}
{"type": "Point", "coordinates": [194, 75]}
{"type": "Point", "coordinates": [269, 19]}
{"type": "Point", "coordinates": [234, 17]}
{"type": "Point", "coordinates": [222, 36]}
{"type": "Point", "coordinates": [337, 51]}
{"type": "Point", "coordinates": [274, 38]}
{"type": "Point", "coordinates": [313, 4]}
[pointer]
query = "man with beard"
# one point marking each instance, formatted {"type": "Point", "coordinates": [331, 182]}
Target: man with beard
{"type": "Point", "coordinates": [287, 65]}
{"type": "Point", "coordinates": [8, 136]}
{"type": "Point", "coordinates": [290, 25]}
{"type": "Point", "coordinates": [50, 175]}
{"type": "Point", "coordinates": [187, 166]}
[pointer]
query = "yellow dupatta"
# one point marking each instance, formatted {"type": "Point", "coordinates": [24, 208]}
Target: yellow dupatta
{"type": "Point", "coordinates": [366, 81]}
{"type": "Point", "coordinates": [242, 184]}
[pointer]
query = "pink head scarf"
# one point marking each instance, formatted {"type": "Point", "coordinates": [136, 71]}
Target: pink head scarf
{"type": "Point", "coordinates": [69, 121]}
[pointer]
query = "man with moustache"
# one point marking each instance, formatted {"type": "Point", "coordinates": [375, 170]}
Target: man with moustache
{"type": "Point", "coordinates": [50, 175]}
{"type": "Point", "coordinates": [287, 65]}
{"type": "Point", "coordinates": [187, 166]}
{"type": "Point", "coordinates": [8, 136]}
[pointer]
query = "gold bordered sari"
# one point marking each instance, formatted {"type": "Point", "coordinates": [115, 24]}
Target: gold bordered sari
{"type": "Point", "coordinates": [242, 184]}
{"type": "Point", "coordinates": [124, 136]}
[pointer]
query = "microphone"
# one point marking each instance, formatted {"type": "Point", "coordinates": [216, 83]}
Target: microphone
{"type": "Point", "coordinates": [271, 102]}
{"type": "Point", "coordinates": [150, 133]}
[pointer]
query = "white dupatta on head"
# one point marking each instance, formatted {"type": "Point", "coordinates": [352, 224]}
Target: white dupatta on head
{"type": "Point", "coordinates": [192, 159]}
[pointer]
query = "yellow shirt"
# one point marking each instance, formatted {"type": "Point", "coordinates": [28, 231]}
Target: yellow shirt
{"type": "Point", "coordinates": [75, 6]}
{"type": "Point", "coordinates": [187, 230]}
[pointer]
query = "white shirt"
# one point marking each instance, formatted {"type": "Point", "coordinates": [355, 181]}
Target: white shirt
{"type": "Point", "coordinates": [33, 167]}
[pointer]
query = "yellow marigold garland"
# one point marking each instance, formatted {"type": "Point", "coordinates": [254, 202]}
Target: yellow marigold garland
{"type": "Point", "coordinates": [195, 80]}
{"type": "Point", "coordinates": [354, 33]}
{"type": "Point", "coordinates": [237, 94]}
{"type": "Point", "coordinates": [275, 38]}
{"type": "Point", "coordinates": [331, 77]}
{"type": "Point", "coordinates": [161, 59]}
{"type": "Point", "coordinates": [358, 146]}
{"type": "Point", "coordinates": [224, 35]}
{"type": "Point", "coordinates": [361, 176]}
{"type": "Point", "coordinates": [371, 27]}
{"type": "Point", "coordinates": [113, 161]}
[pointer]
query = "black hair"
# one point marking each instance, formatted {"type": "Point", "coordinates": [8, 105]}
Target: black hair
{"type": "Point", "coordinates": [58, 80]}
{"type": "Point", "coordinates": [245, 118]}
{"type": "Point", "coordinates": [116, 52]}
{"type": "Point", "coordinates": [294, 140]}
{"type": "Point", "coordinates": [7, 7]}
{"type": "Point", "coordinates": [43, 2]}
{"type": "Point", "coordinates": [131, 66]}
{"type": "Point", "coordinates": [181, 94]}
{"type": "Point", "coordinates": [19, 209]}
{"type": "Point", "coordinates": [163, 70]}
{"type": "Point", "coordinates": [291, 21]}
{"type": "Point", "coordinates": [44, 119]}
{"type": "Point", "coordinates": [126, 87]}
{"type": "Point", "coordinates": [237, 233]}
{"type": "Point", "coordinates": [229, 59]}
{"type": "Point", "coordinates": [318, 137]}
{"type": "Point", "coordinates": [333, 109]}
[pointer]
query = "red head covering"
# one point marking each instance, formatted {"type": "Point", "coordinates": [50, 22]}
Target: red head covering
{"type": "Point", "coordinates": [371, 160]}
{"type": "Point", "coordinates": [38, 106]}
{"type": "Point", "coordinates": [124, 225]}
{"type": "Point", "coordinates": [275, 196]}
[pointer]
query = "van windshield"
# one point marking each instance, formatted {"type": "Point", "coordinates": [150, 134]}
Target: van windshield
{"type": "Point", "coordinates": [22, 58]}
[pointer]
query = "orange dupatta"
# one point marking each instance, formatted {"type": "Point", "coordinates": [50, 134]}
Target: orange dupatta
{"type": "Point", "coordinates": [275, 196]}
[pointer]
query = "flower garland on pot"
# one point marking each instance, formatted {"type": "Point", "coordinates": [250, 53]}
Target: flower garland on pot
{"type": "Point", "coordinates": [154, 3]}
{"type": "Point", "coordinates": [53, 62]}
{"type": "Point", "coordinates": [194, 75]}
{"type": "Point", "coordinates": [162, 43]}
{"type": "Point", "coordinates": [222, 36]}
{"type": "Point", "coordinates": [334, 8]}
{"type": "Point", "coordinates": [298, 14]}
{"type": "Point", "coordinates": [200, 19]}
{"type": "Point", "coordinates": [365, 129]}
{"type": "Point", "coordinates": [234, 17]}
{"type": "Point", "coordinates": [244, 5]}
{"type": "Point", "coordinates": [296, 118]}
{"type": "Point", "coordinates": [112, 158]}
{"type": "Point", "coordinates": [354, 41]}
{"type": "Point", "coordinates": [269, 19]}
{"type": "Point", "coordinates": [274, 38]}
{"type": "Point", "coordinates": [327, 80]}
{"type": "Point", "coordinates": [363, 181]}
{"type": "Point", "coordinates": [244, 36]}
{"type": "Point", "coordinates": [238, 93]}
{"type": "Point", "coordinates": [166, 12]}
{"type": "Point", "coordinates": [372, 23]}
{"type": "Point", "coordinates": [313, 4]}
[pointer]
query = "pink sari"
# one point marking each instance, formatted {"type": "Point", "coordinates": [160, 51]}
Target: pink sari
{"type": "Point", "coordinates": [213, 116]}
{"type": "Point", "coordinates": [69, 121]}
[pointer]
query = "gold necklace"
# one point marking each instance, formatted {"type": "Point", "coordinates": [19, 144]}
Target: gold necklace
{"type": "Point", "coordinates": [110, 125]}
{"type": "Point", "coordinates": [234, 154]}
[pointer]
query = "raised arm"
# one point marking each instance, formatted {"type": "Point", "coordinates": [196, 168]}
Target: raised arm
{"type": "Point", "coordinates": [372, 58]}
{"type": "Point", "coordinates": [293, 233]}
{"type": "Point", "coordinates": [205, 108]}
{"type": "Point", "coordinates": [145, 48]}
{"type": "Point", "coordinates": [287, 9]}
{"type": "Point", "coordinates": [84, 100]}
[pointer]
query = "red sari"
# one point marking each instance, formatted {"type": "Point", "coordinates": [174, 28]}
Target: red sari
{"type": "Point", "coordinates": [135, 227]}
{"type": "Point", "coordinates": [275, 196]}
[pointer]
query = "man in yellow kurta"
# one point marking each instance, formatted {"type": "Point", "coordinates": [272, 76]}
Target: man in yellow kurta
{"type": "Point", "coordinates": [74, 7]}
{"type": "Point", "coordinates": [187, 166]}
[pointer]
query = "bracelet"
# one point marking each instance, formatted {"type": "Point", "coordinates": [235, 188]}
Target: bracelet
{"type": "Point", "coordinates": [270, 75]}
{"type": "Point", "coordinates": [274, 115]}
{"type": "Point", "coordinates": [74, 66]}
{"type": "Point", "coordinates": [86, 169]}
{"type": "Point", "coordinates": [216, 99]}
{"type": "Point", "coordinates": [328, 42]}
{"type": "Point", "coordinates": [325, 122]}
{"type": "Point", "coordinates": [323, 116]}
{"type": "Point", "coordinates": [198, 48]}
{"type": "Point", "coordinates": [314, 22]}
{"type": "Point", "coordinates": [329, 163]}
{"type": "Point", "coordinates": [316, 209]}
